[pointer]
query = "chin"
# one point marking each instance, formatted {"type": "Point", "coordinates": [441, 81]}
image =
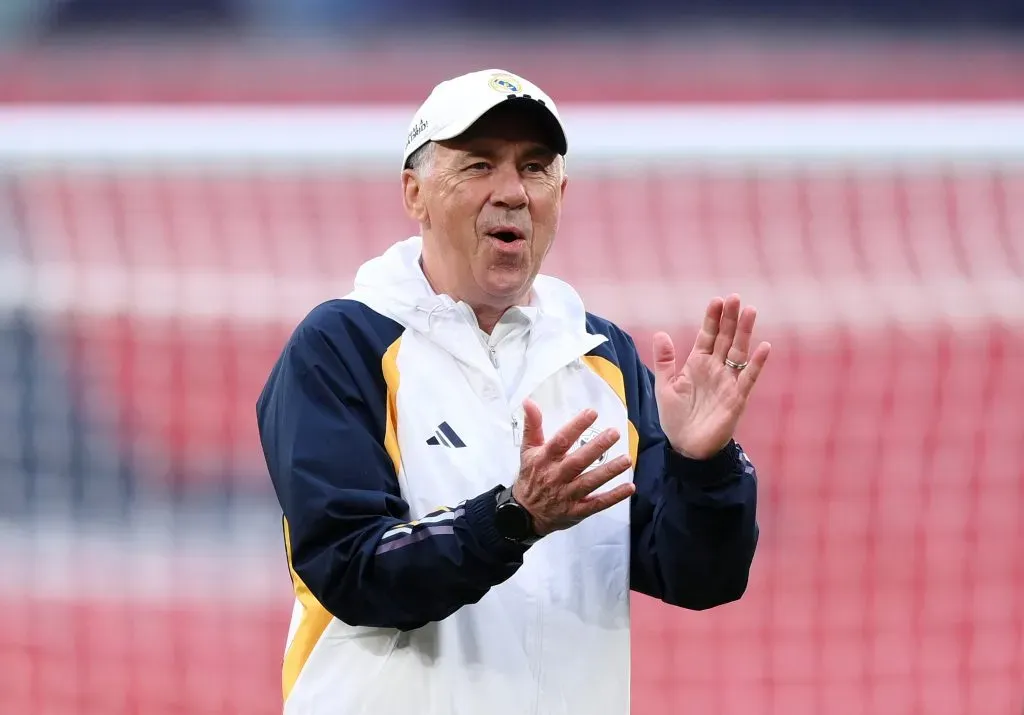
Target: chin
{"type": "Point", "coordinates": [507, 293]}
{"type": "Point", "coordinates": [508, 288]}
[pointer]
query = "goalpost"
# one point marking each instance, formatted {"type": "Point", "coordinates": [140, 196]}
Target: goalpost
{"type": "Point", "coordinates": [153, 260]}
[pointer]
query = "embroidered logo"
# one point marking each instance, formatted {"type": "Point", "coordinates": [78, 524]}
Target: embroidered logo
{"type": "Point", "coordinates": [505, 83]}
{"type": "Point", "coordinates": [586, 437]}
{"type": "Point", "coordinates": [417, 129]}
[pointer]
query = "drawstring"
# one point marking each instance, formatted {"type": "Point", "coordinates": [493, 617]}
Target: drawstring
{"type": "Point", "coordinates": [443, 306]}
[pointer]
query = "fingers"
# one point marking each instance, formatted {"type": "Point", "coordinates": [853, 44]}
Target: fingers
{"type": "Point", "coordinates": [533, 431]}
{"type": "Point", "coordinates": [705, 342]}
{"type": "Point", "coordinates": [590, 452]}
{"type": "Point", "coordinates": [599, 502]}
{"type": "Point", "coordinates": [664, 357]}
{"type": "Point", "coordinates": [740, 350]}
{"type": "Point", "coordinates": [566, 437]}
{"type": "Point", "coordinates": [587, 482]}
{"type": "Point", "coordinates": [551, 483]}
{"type": "Point", "coordinates": [748, 376]}
{"type": "Point", "coordinates": [727, 327]}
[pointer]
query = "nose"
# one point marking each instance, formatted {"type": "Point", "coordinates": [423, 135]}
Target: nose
{"type": "Point", "coordinates": [509, 191]}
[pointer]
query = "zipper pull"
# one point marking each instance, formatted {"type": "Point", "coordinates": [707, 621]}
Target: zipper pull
{"type": "Point", "coordinates": [515, 431]}
{"type": "Point", "coordinates": [494, 356]}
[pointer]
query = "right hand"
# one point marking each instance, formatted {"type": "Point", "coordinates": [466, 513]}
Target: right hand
{"type": "Point", "coordinates": [552, 486]}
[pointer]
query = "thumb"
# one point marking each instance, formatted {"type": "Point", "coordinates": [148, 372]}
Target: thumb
{"type": "Point", "coordinates": [533, 431]}
{"type": "Point", "coordinates": [664, 358]}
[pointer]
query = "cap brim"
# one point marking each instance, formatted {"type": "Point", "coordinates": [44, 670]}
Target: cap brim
{"type": "Point", "coordinates": [553, 127]}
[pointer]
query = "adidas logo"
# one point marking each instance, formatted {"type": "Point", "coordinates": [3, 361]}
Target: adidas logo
{"type": "Point", "coordinates": [445, 436]}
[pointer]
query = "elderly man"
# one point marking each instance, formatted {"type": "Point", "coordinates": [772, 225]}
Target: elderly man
{"type": "Point", "coordinates": [451, 554]}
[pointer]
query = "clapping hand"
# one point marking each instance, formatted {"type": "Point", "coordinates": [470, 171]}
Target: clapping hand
{"type": "Point", "coordinates": [557, 486]}
{"type": "Point", "coordinates": [701, 402]}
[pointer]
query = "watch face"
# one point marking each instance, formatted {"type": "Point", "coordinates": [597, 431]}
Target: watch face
{"type": "Point", "coordinates": [511, 521]}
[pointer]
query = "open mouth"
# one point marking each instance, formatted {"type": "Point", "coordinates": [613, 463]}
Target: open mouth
{"type": "Point", "coordinates": [506, 235]}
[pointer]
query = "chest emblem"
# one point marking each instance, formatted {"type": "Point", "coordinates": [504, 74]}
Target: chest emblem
{"type": "Point", "coordinates": [586, 437]}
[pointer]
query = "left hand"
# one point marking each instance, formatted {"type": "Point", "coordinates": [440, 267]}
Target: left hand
{"type": "Point", "coordinates": [701, 404]}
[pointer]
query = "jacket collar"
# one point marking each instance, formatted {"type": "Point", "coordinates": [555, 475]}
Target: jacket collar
{"type": "Point", "coordinates": [393, 284]}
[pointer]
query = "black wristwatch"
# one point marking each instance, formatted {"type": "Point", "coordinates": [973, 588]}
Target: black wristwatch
{"type": "Point", "coordinates": [512, 520]}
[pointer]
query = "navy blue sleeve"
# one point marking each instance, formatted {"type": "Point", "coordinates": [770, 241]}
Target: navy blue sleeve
{"type": "Point", "coordinates": [322, 423]}
{"type": "Point", "coordinates": [694, 527]}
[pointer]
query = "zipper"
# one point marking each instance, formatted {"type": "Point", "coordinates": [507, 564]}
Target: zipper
{"type": "Point", "coordinates": [494, 355]}
{"type": "Point", "coordinates": [515, 431]}
{"type": "Point", "coordinates": [538, 642]}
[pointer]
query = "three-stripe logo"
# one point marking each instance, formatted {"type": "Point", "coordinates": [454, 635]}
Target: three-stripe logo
{"type": "Point", "coordinates": [445, 436]}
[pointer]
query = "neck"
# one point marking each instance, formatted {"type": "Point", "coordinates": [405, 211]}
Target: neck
{"type": "Point", "coordinates": [442, 282]}
{"type": "Point", "coordinates": [487, 317]}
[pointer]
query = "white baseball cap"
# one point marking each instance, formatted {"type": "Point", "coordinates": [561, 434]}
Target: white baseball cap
{"type": "Point", "coordinates": [456, 104]}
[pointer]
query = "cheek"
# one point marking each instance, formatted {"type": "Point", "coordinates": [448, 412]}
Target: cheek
{"type": "Point", "coordinates": [455, 209]}
{"type": "Point", "coordinates": [547, 209]}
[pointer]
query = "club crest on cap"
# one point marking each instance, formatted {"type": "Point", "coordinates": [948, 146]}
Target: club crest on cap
{"type": "Point", "coordinates": [505, 83]}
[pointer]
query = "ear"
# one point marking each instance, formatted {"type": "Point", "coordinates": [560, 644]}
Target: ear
{"type": "Point", "coordinates": [412, 195]}
{"type": "Point", "coordinates": [565, 182]}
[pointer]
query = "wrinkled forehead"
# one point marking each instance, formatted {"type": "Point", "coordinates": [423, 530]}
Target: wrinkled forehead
{"type": "Point", "coordinates": [521, 123]}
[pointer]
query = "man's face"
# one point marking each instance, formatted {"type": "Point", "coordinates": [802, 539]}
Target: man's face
{"type": "Point", "coordinates": [490, 204]}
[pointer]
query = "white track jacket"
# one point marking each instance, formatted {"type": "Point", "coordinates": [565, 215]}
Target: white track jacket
{"type": "Point", "coordinates": [390, 422]}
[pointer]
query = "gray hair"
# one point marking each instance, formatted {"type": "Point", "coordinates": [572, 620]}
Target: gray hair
{"type": "Point", "coordinates": [421, 161]}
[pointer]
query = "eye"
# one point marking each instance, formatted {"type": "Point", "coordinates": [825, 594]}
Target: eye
{"type": "Point", "coordinates": [478, 166]}
{"type": "Point", "coordinates": [535, 167]}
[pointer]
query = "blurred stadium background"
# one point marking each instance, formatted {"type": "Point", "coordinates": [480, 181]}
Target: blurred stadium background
{"type": "Point", "coordinates": [181, 180]}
